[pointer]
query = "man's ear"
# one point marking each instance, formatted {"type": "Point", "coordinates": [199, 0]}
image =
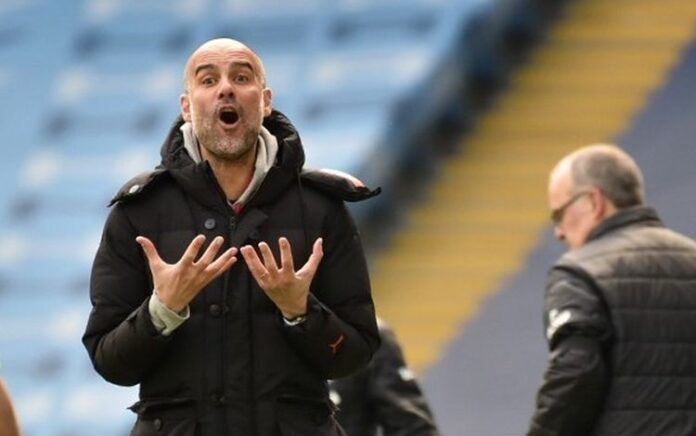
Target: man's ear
{"type": "Point", "coordinates": [185, 104]}
{"type": "Point", "coordinates": [599, 203]}
{"type": "Point", "coordinates": [267, 101]}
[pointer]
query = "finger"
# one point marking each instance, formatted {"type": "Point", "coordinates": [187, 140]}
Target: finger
{"type": "Point", "coordinates": [212, 251]}
{"type": "Point", "coordinates": [222, 263]}
{"type": "Point", "coordinates": [153, 257]}
{"type": "Point", "coordinates": [312, 264]}
{"type": "Point", "coordinates": [268, 259]}
{"type": "Point", "coordinates": [223, 258]}
{"type": "Point", "coordinates": [192, 250]}
{"type": "Point", "coordinates": [258, 271]}
{"type": "Point", "coordinates": [286, 261]}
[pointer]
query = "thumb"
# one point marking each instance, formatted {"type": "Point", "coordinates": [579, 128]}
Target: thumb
{"type": "Point", "coordinates": [149, 249]}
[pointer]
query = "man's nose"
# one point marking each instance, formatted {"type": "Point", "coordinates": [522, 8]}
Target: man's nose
{"type": "Point", "coordinates": [558, 233]}
{"type": "Point", "coordinates": [225, 88]}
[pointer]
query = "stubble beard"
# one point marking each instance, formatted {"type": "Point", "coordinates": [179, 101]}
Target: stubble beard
{"type": "Point", "coordinates": [226, 147]}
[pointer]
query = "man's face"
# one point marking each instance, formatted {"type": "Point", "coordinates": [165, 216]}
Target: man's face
{"type": "Point", "coordinates": [572, 209]}
{"type": "Point", "coordinates": [226, 99]}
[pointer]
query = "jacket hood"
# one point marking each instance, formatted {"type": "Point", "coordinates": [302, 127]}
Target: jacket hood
{"type": "Point", "coordinates": [188, 174]}
{"type": "Point", "coordinates": [290, 151]}
{"type": "Point", "coordinates": [288, 168]}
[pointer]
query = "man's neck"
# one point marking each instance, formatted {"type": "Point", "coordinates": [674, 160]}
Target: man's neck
{"type": "Point", "coordinates": [233, 175]}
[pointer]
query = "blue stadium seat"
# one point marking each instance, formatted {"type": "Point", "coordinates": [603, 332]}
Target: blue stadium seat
{"type": "Point", "coordinates": [89, 89]}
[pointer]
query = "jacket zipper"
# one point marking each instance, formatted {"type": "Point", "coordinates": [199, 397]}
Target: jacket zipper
{"type": "Point", "coordinates": [250, 385]}
{"type": "Point", "coordinates": [232, 225]}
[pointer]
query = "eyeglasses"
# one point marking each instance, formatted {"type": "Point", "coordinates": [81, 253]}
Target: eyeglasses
{"type": "Point", "coordinates": [558, 213]}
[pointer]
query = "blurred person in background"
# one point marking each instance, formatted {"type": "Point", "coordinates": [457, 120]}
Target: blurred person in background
{"type": "Point", "coordinates": [222, 345]}
{"type": "Point", "coordinates": [8, 418]}
{"type": "Point", "coordinates": [620, 308]}
{"type": "Point", "coordinates": [384, 398]}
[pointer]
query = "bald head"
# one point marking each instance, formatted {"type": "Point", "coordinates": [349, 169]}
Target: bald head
{"type": "Point", "coordinates": [221, 45]}
{"type": "Point", "coordinates": [607, 167]}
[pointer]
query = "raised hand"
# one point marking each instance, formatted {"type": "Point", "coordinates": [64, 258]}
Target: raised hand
{"type": "Point", "coordinates": [177, 284]}
{"type": "Point", "coordinates": [287, 288]}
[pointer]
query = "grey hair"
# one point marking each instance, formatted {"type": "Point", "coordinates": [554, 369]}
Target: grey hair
{"type": "Point", "coordinates": [610, 169]}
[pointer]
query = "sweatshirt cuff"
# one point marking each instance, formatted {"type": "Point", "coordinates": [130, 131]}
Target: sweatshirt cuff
{"type": "Point", "coordinates": [164, 318]}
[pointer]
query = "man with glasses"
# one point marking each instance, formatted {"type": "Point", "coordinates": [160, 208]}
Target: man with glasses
{"type": "Point", "coordinates": [620, 308]}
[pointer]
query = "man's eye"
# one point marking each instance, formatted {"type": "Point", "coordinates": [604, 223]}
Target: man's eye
{"type": "Point", "coordinates": [208, 81]}
{"type": "Point", "coordinates": [241, 78]}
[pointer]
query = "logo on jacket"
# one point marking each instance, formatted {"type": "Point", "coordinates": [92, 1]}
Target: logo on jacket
{"type": "Point", "coordinates": [556, 320]}
{"type": "Point", "coordinates": [336, 345]}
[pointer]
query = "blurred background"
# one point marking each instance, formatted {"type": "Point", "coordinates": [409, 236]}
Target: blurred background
{"type": "Point", "coordinates": [456, 108]}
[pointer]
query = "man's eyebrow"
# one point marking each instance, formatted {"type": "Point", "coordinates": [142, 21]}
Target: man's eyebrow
{"type": "Point", "coordinates": [203, 67]}
{"type": "Point", "coordinates": [242, 64]}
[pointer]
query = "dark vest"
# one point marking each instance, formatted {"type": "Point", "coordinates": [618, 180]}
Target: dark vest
{"type": "Point", "coordinates": [646, 275]}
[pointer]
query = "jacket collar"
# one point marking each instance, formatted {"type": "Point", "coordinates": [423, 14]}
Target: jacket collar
{"type": "Point", "coordinates": [198, 178]}
{"type": "Point", "coordinates": [636, 215]}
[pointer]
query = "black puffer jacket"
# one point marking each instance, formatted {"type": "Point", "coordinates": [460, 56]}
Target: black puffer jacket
{"type": "Point", "coordinates": [234, 367]}
{"type": "Point", "coordinates": [621, 325]}
{"type": "Point", "coordinates": [383, 398]}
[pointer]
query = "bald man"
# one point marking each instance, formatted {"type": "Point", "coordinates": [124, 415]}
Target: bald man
{"type": "Point", "coordinates": [620, 308]}
{"type": "Point", "coordinates": [230, 282]}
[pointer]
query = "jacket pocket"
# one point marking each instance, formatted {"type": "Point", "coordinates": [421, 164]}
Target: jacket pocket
{"type": "Point", "coordinates": [298, 416]}
{"type": "Point", "coordinates": [166, 416]}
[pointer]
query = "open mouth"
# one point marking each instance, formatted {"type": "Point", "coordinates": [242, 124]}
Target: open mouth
{"type": "Point", "coordinates": [228, 116]}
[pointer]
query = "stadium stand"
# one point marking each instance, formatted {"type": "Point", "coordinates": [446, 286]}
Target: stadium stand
{"type": "Point", "coordinates": [608, 71]}
{"type": "Point", "coordinates": [89, 88]}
